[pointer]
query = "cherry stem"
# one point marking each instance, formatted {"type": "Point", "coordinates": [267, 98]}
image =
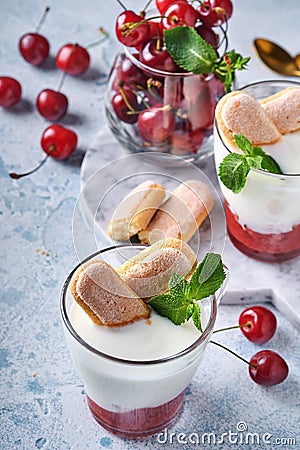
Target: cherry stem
{"type": "Point", "coordinates": [62, 81]}
{"type": "Point", "coordinates": [145, 103]}
{"type": "Point", "coordinates": [224, 37]}
{"type": "Point", "coordinates": [146, 6]}
{"type": "Point", "coordinates": [128, 105]}
{"type": "Point", "coordinates": [233, 327]}
{"type": "Point", "coordinates": [128, 27]}
{"type": "Point", "coordinates": [99, 41]}
{"type": "Point", "coordinates": [122, 5]}
{"type": "Point", "coordinates": [42, 19]}
{"type": "Point", "coordinates": [233, 353]}
{"type": "Point", "coordinates": [16, 176]}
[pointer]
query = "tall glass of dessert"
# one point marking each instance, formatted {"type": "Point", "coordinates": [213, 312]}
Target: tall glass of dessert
{"type": "Point", "coordinates": [263, 219]}
{"type": "Point", "coordinates": [135, 376]}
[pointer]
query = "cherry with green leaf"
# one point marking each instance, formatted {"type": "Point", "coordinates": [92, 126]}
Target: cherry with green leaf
{"type": "Point", "coordinates": [192, 53]}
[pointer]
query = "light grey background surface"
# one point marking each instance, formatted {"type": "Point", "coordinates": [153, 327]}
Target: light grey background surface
{"type": "Point", "coordinates": [42, 397]}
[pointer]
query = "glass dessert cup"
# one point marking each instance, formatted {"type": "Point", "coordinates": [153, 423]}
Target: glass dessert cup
{"type": "Point", "coordinates": [263, 219]}
{"type": "Point", "coordinates": [134, 398]}
{"type": "Point", "coordinates": [182, 106]}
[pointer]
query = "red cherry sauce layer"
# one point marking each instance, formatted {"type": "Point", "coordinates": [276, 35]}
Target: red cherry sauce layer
{"type": "Point", "coordinates": [264, 247]}
{"type": "Point", "coordinates": [137, 422]}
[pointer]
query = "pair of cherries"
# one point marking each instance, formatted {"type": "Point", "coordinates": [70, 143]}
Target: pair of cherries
{"type": "Point", "coordinates": [266, 367]}
{"type": "Point", "coordinates": [72, 59]}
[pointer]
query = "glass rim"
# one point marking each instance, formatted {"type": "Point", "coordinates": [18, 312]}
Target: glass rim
{"type": "Point", "coordinates": [163, 73]}
{"type": "Point", "coordinates": [260, 171]}
{"type": "Point", "coordinates": [65, 318]}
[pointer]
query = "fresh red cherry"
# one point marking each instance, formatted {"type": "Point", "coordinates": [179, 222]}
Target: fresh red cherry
{"type": "Point", "coordinates": [10, 92]}
{"type": "Point", "coordinates": [208, 34]}
{"type": "Point", "coordinates": [155, 30]}
{"type": "Point", "coordinates": [59, 142]}
{"type": "Point", "coordinates": [125, 104]}
{"type": "Point", "coordinates": [129, 73]}
{"type": "Point", "coordinates": [179, 13]}
{"type": "Point", "coordinates": [129, 29]}
{"type": "Point", "coordinates": [56, 141]}
{"type": "Point", "coordinates": [157, 57]}
{"type": "Point", "coordinates": [258, 324]}
{"type": "Point", "coordinates": [268, 368]}
{"type": "Point", "coordinates": [52, 104]}
{"type": "Point", "coordinates": [33, 46]}
{"type": "Point", "coordinates": [73, 59]}
{"type": "Point", "coordinates": [162, 5]}
{"type": "Point", "coordinates": [215, 12]}
{"type": "Point", "coordinates": [156, 124]}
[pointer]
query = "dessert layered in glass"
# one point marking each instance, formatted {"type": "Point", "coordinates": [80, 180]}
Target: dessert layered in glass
{"type": "Point", "coordinates": [263, 219]}
{"type": "Point", "coordinates": [135, 375]}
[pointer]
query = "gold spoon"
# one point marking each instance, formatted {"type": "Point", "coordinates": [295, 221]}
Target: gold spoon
{"type": "Point", "coordinates": [276, 58]}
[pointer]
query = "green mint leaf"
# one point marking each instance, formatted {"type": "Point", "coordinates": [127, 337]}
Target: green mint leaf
{"type": "Point", "coordinates": [235, 167]}
{"type": "Point", "coordinates": [189, 311]}
{"type": "Point", "coordinates": [170, 306]}
{"type": "Point", "coordinates": [208, 277]}
{"type": "Point", "coordinates": [236, 60]}
{"type": "Point", "coordinates": [197, 316]}
{"type": "Point", "coordinates": [192, 53]}
{"type": "Point", "coordinates": [255, 162]}
{"type": "Point", "coordinates": [189, 50]}
{"type": "Point", "coordinates": [226, 67]}
{"type": "Point", "coordinates": [178, 286]}
{"type": "Point", "coordinates": [179, 304]}
{"type": "Point", "coordinates": [259, 159]}
{"type": "Point", "coordinates": [270, 165]}
{"type": "Point", "coordinates": [175, 281]}
{"type": "Point", "coordinates": [268, 162]}
{"type": "Point", "coordinates": [233, 171]}
{"type": "Point", "coordinates": [228, 81]}
{"type": "Point", "coordinates": [244, 144]}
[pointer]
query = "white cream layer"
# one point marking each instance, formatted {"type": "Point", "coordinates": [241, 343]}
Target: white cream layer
{"type": "Point", "coordinates": [286, 152]}
{"type": "Point", "coordinates": [121, 387]}
{"type": "Point", "coordinates": [149, 339]}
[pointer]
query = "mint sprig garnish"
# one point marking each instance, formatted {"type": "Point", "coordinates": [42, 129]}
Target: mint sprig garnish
{"type": "Point", "coordinates": [189, 50]}
{"type": "Point", "coordinates": [192, 53]}
{"type": "Point", "coordinates": [235, 167]}
{"type": "Point", "coordinates": [181, 302]}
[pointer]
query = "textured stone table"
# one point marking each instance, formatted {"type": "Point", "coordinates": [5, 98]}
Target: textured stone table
{"type": "Point", "coordinates": [42, 397]}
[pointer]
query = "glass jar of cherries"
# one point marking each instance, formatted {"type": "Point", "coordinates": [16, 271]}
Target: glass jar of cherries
{"type": "Point", "coordinates": [154, 101]}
